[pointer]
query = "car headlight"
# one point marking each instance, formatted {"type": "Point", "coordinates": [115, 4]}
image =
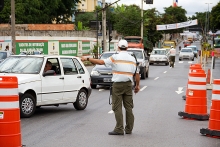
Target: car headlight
{"type": "Point", "coordinates": [95, 73]}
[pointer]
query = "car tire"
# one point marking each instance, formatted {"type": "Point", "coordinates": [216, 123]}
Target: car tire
{"type": "Point", "coordinates": [192, 59]}
{"type": "Point", "coordinates": [179, 59]}
{"type": "Point", "coordinates": [143, 75]}
{"type": "Point", "coordinates": [27, 105]}
{"type": "Point", "coordinates": [81, 100]}
{"type": "Point", "coordinates": [166, 64]}
{"type": "Point", "coordinates": [93, 86]}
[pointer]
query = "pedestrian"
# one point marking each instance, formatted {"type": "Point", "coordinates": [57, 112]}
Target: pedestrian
{"type": "Point", "coordinates": [172, 55]}
{"type": "Point", "coordinates": [7, 48]}
{"type": "Point", "coordinates": [123, 69]}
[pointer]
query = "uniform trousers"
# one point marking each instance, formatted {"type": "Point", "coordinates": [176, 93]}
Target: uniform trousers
{"type": "Point", "coordinates": [122, 93]}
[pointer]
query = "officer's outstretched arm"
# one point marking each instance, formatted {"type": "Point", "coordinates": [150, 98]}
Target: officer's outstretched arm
{"type": "Point", "coordinates": [94, 61]}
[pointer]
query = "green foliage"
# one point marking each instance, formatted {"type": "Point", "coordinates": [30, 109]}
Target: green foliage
{"type": "Point", "coordinates": [85, 18]}
{"type": "Point", "coordinates": [40, 11]}
{"type": "Point", "coordinates": [215, 17]}
{"type": "Point", "coordinates": [80, 27]}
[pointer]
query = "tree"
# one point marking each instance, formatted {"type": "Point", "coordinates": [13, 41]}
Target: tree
{"type": "Point", "coordinates": [40, 11]}
{"type": "Point", "coordinates": [85, 17]}
{"type": "Point", "coordinates": [215, 17]}
{"type": "Point", "coordinates": [174, 15]}
{"type": "Point", "coordinates": [151, 19]}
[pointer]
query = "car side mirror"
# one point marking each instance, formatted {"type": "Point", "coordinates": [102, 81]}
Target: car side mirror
{"type": "Point", "coordinates": [48, 73]}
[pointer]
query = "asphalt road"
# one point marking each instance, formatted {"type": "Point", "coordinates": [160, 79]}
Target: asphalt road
{"type": "Point", "coordinates": [156, 108]}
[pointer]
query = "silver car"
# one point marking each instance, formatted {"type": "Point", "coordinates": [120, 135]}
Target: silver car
{"type": "Point", "coordinates": [186, 53]}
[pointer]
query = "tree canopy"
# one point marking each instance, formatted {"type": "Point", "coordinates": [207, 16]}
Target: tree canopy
{"type": "Point", "coordinates": [215, 17]}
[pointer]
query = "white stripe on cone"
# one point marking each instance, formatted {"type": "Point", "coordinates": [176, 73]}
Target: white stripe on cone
{"type": "Point", "coordinates": [197, 87]}
{"type": "Point", "coordinates": [215, 96]}
{"type": "Point", "coordinates": [7, 91]}
{"type": "Point", "coordinates": [215, 87]}
{"type": "Point", "coordinates": [196, 79]}
{"type": "Point", "coordinates": [9, 105]}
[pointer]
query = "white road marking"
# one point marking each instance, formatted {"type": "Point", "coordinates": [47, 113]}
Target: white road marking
{"type": "Point", "coordinates": [180, 61]}
{"type": "Point", "coordinates": [156, 78]}
{"type": "Point", "coordinates": [110, 112]}
{"type": "Point", "coordinates": [101, 89]}
{"type": "Point", "coordinates": [143, 88]}
{"type": "Point", "coordinates": [190, 62]}
{"type": "Point", "coordinates": [165, 72]}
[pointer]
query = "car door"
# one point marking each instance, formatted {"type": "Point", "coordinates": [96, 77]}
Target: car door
{"type": "Point", "coordinates": [52, 85]}
{"type": "Point", "coordinates": [72, 79]}
{"type": "Point", "coordinates": [146, 58]}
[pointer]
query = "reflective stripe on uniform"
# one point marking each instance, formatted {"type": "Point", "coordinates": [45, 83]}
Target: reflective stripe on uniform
{"type": "Point", "coordinates": [123, 73]}
{"type": "Point", "coordinates": [124, 62]}
{"type": "Point", "coordinates": [9, 105]}
{"type": "Point", "coordinates": [197, 87]}
{"type": "Point", "coordinates": [7, 92]}
{"type": "Point", "coordinates": [215, 96]}
{"type": "Point", "coordinates": [216, 87]}
{"type": "Point", "coordinates": [197, 79]}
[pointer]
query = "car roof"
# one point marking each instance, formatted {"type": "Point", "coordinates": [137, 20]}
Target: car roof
{"type": "Point", "coordinates": [186, 48]}
{"type": "Point", "coordinates": [53, 56]}
{"type": "Point", "coordinates": [139, 49]}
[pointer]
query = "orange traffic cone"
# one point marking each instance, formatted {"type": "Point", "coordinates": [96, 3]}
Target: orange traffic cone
{"type": "Point", "coordinates": [193, 68]}
{"type": "Point", "coordinates": [214, 120]}
{"type": "Point", "coordinates": [196, 100]}
{"type": "Point", "coordinates": [10, 129]}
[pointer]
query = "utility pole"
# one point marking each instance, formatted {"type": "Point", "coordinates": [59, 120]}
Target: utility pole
{"type": "Point", "coordinates": [104, 26]}
{"type": "Point", "coordinates": [208, 17]}
{"type": "Point", "coordinates": [13, 25]}
{"type": "Point", "coordinates": [142, 21]}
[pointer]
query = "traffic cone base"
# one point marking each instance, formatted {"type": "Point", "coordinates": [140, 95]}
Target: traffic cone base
{"type": "Point", "coordinates": [193, 116]}
{"type": "Point", "coordinates": [210, 133]}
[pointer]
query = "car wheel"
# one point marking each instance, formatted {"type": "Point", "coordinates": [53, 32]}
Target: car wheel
{"type": "Point", "coordinates": [143, 75]}
{"type": "Point", "coordinates": [93, 86]}
{"type": "Point", "coordinates": [179, 59]}
{"type": "Point", "coordinates": [81, 100]}
{"type": "Point", "coordinates": [192, 59]}
{"type": "Point", "coordinates": [27, 105]}
{"type": "Point", "coordinates": [166, 64]}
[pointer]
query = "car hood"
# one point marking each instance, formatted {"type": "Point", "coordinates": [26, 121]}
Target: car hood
{"type": "Point", "coordinates": [186, 53]}
{"type": "Point", "coordinates": [157, 56]}
{"type": "Point", "coordinates": [24, 78]}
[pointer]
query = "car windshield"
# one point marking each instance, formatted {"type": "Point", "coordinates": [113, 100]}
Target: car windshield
{"type": "Point", "coordinates": [138, 54]}
{"type": "Point", "coordinates": [193, 48]}
{"type": "Point", "coordinates": [168, 44]}
{"type": "Point", "coordinates": [106, 55]}
{"type": "Point", "coordinates": [137, 40]}
{"type": "Point", "coordinates": [186, 50]}
{"type": "Point", "coordinates": [3, 55]}
{"type": "Point", "coordinates": [22, 65]}
{"type": "Point", "coordinates": [158, 52]}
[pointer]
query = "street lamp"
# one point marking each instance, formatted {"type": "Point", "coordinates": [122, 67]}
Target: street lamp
{"type": "Point", "coordinates": [208, 17]}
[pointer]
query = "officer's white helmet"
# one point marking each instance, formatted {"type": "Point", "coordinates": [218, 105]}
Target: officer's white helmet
{"type": "Point", "coordinates": [122, 44]}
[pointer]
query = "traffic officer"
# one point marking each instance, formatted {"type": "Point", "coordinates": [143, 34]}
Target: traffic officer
{"type": "Point", "coordinates": [123, 69]}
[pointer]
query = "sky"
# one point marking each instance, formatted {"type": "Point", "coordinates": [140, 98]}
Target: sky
{"type": "Point", "coordinates": [191, 6]}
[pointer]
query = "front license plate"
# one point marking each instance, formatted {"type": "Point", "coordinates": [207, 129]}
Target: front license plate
{"type": "Point", "coordinates": [107, 80]}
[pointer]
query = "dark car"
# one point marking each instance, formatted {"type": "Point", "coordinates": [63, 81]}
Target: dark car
{"type": "Point", "coordinates": [100, 74]}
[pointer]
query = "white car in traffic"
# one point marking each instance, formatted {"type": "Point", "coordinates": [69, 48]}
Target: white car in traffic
{"type": "Point", "coordinates": [68, 81]}
{"type": "Point", "coordinates": [186, 53]}
{"type": "Point", "coordinates": [159, 56]}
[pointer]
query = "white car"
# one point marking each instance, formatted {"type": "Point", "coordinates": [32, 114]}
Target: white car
{"type": "Point", "coordinates": [67, 82]}
{"type": "Point", "coordinates": [159, 56]}
{"type": "Point", "coordinates": [186, 53]}
{"type": "Point", "coordinates": [143, 61]}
